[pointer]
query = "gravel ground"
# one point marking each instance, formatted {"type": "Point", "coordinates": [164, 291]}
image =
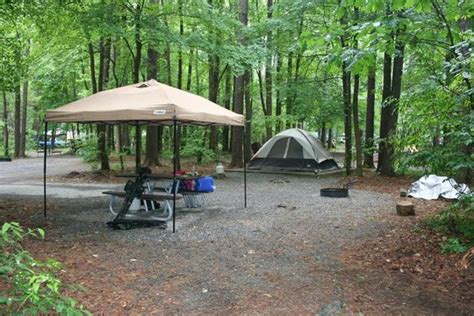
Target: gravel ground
{"type": "Point", "coordinates": [20, 170]}
{"type": "Point", "coordinates": [280, 255]}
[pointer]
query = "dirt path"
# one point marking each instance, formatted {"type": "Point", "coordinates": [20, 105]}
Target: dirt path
{"type": "Point", "coordinates": [281, 255]}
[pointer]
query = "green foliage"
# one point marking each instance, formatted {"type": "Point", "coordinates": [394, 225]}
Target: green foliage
{"type": "Point", "coordinates": [87, 149]}
{"type": "Point", "coordinates": [453, 245]}
{"type": "Point", "coordinates": [195, 147]}
{"type": "Point", "coordinates": [31, 285]}
{"type": "Point", "coordinates": [457, 220]}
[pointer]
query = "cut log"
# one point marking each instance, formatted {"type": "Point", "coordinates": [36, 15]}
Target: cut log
{"type": "Point", "coordinates": [403, 192]}
{"type": "Point", "coordinates": [405, 208]}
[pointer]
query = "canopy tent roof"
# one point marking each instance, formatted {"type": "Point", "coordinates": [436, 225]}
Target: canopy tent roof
{"type": "Point", "coordinates": [148, 102]}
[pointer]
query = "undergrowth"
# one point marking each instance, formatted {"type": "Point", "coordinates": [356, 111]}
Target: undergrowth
{"type": "Point", "coordinates": [30, 286]}
{"type": "Point", "coordinates": [456, 221]}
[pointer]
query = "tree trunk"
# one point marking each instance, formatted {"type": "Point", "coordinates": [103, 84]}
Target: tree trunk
{"type": "Point", "coordinates": [92, 67]}
{"type": "Point", "coordinates": [278, 102]}
{"type": "Point", "coordinates": [357, 131]}
{"type": "Point", "coordinates": [24, 127]}
{"type": "Point", "coordinates": [385, 110]}
{"type": "Point", "coordinates": [239, 83]}
{"type": "Point", "coordinates": [330, 141]}
{"type": "Point", "coordinates": [322, 137]}
{"type": "Point", "coordinates": [268, 75]}
{"type": "Point", "coordinates": [5, 127]}
{"type": "Point", "coordinates": [227, 101]}
{"type": "Point", "coordinates": [213, 92]}
{"type": "Point", "coordinates": [248, 117]}
{"type": "Point", "coordinates": [289, 87]}
{"type": "Point", "coordinates": [104, 59]}
{"type": "Point", "coordinates": [17, 120]}
{"type": "Point", "coordinates": [386, 165]}
{"type": "Point", "coordinates": [151, 146]}
{"type": "Point", "coordinates": [370, 114]}
{"type": "Point", "coordinates": [346, 93]}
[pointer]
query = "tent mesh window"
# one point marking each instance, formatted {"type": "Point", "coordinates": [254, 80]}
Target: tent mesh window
{"type": "Point", "coordinates": [279, 148]}
{"type": "Point", "coordinates": [295, 150]}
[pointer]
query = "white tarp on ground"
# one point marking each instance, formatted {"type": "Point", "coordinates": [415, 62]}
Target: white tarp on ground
{"type": "Point", "coordinates": [432, 187]}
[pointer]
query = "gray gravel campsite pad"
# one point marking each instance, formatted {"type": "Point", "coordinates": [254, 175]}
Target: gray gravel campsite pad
{"type": "Point", "coordinates": [276, 256]}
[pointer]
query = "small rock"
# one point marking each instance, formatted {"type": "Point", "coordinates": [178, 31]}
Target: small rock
{"type": "Point", "coordinates": [133, 260]}
{"type": "Point", "coordinates": [95, 256]}
{"type": "Point", "coordinates": [251, 252]}
{"type": "Point", "coordinates": [204, 290]}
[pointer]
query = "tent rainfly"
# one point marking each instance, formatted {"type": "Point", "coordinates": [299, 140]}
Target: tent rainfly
{"type": "Point", "coordinates": [145, 103]}
{"type": "Point", "coordinates": [294, 150]}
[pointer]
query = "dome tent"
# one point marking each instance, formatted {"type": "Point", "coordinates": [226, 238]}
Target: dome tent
{"type": "Point", "coordinates": [293, 150]}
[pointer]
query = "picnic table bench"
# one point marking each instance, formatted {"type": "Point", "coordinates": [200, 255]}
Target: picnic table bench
{"type": "Point", "coordinates": [135, 191]}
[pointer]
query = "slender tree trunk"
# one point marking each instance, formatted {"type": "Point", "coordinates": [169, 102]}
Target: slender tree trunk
{"type": "Point", "coordinates": [346, 93]}
{"type": "Point", "coordinates": [370, 114]}
{"type": "Point", "coordinates": [289, 87]}
{"type": "Point", "coordinates": [17, 120]}
{"type": "Point", "coordinates": [268, 75]}
{"type": "Point", "coordinates": [92, 67]}
{"type": "Point", "coordinates": [322, 137]}
{"type": "Point", "coordinates": [24, 127]}
{"type": "Point", "coordinates": [239, 84]}
{"type": "Point", "coordinates": [136, 78]}
{"type": "Point", "coordinates": [5, 127]}
{"type": "Point", "coordinates": [330, 138]}
{"type": "Point", "coordinates": [190, 71]}
{"type": "Point", "coordinates": [357, 130]}
{"type": "Point", "coordinates": [227, 101]}
{"type": "Point", "coordinates": [278, 102]}
{"type": "Point", "coordinates": [213, 93]}
{"type": "Point", "coordinates": [248, 116]}
{"type": "Point", "coordinates": [104, 59]}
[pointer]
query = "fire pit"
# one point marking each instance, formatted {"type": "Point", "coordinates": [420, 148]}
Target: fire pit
{"type": "Point", "coordinates": [337, 192]}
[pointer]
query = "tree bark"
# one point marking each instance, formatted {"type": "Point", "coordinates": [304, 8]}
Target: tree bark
{"type": "Point", "coordinates": [357, 131]}
{"type": "Point", "coordinates": [369, 120]}
{"type": "Point", "coordinates": [385, 110]}
{"type": "Point", "coordinates": [213, 92]}
{"type": "Point", "coordinates": [248, 116]}
{"type": "Point", "coordinates": [151, 146]}
{"type": "Point", "coordinates": [227, 101]}
{"type": "Point", "coordinates": [5, 127]}
{"type": "Point", "coordinates": [289, 87]}
{"type": "Point", "coordinates": [239, 83]}
{"type": "Point", "coordinates": [104, 60]}
{"type": "Point", "coordinates": [322, 137]}
{"type": "Point", "coordinates": [391, 111]}
{"type": "Point", "coordinates": [330, 142]}
{"type": "Point", "coordinates": [24, 113]}
{"type": "Point", "coordinates": [268, 76]}
{"type": "Point", "coordinates": [346, 93]}
{"type": "Point", "coordinates": [278, 102]}
{"type": "Point", "coordinates": [17, 120]}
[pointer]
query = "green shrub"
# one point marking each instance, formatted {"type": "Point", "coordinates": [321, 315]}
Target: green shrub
{"type": "Point", "coordinates": [31, 285]}
{"type": "Point", "coordinates": [456, 220]}
{"type": "Point", "coordinates": [195, 147]}
{"type": "Point", "coordinates": [453, 245]}
{"type": "Point", "coordinates": [88, 149]}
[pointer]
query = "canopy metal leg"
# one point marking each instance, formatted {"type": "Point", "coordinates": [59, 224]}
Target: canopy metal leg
{"type": "Point", "coordinates": [44, 165]}
{"type": "Point", "coordinates": [175, 150]}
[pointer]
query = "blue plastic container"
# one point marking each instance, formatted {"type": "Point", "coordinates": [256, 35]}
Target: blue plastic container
{"type": "Point", "coordinates": [205, 184]}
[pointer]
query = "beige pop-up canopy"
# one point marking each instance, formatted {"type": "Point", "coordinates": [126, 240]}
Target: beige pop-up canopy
{"type": "Point", "coordinates": [148, 102]}
{"type": "Point", "coordinates": [142, 103]}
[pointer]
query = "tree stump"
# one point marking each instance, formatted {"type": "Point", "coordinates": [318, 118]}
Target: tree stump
{"type": "Point", "coordinates": [405, 208]}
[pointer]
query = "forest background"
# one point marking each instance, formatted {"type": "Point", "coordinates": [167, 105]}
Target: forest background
{"type": "Point", "coordinates": [386, 76]}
